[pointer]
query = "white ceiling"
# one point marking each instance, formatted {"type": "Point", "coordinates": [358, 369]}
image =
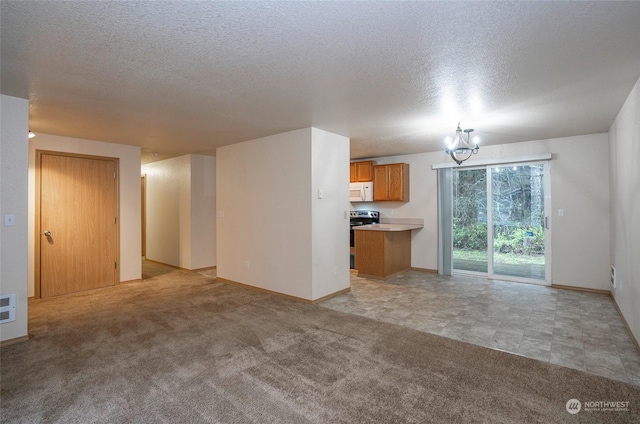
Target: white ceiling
{"type": "Point", "coordinates": [396, 77]}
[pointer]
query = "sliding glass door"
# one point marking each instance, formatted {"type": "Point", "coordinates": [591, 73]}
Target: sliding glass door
{"type": "Point", "coordinates": [470, 252]}
{"type": "Point", "coordinates": [518, 221]}
{"type": "Point", "coordinates": [499, 221]}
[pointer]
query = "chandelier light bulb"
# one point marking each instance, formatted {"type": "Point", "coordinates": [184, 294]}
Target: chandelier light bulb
{"type": "Point", "coordinates": [448, 142]}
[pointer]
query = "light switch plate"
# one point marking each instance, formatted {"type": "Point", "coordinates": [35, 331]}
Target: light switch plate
{"type": "Point", "coordinates": [9, 220]}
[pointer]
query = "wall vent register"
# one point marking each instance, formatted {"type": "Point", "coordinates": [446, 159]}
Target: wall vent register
{"type": "Point", "coordinates": [7, 308]}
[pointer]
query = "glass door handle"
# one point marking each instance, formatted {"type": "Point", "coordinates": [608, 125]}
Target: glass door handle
{"type": "Point", "coordinates": [546, 222]}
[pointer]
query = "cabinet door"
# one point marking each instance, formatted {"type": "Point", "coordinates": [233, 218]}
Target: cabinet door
{"type": "Point", "coordinates": [360, 172]}
{"type": "Point", "coordinates": [395, 182]}
{"type": "Point", "coordinates": [365, 171]}
{"type": "Point", "coordinates": [391, 182]}
{"type": "Point", "coordinates": [353, 172]}
{"type": "Point", "coordinates": [380, 183]}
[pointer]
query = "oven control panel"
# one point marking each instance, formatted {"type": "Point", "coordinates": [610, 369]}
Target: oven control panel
{"type": "Point", "coordinates": [364, 214]}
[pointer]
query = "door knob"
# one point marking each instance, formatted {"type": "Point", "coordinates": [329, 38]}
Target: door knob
{"type": "Point", "coordinates": [47, 233]}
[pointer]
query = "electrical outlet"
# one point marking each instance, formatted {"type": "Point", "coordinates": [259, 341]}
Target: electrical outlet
{"type": "Point", "coordinates": [613, 277]}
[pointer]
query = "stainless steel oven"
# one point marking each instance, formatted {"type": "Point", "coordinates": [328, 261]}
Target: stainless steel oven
{"type": "Point", "coordinates": [360, 218]}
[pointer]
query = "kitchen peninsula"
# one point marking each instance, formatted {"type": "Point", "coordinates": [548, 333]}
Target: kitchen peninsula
{"type": "Point", "coordinates": [383, 250]}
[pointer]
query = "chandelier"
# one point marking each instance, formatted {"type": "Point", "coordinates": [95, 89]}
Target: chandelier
{"type": "Point", "coordinates": [459, 148]}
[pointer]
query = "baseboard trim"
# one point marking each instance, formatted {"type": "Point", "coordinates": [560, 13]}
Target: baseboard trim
{"type": "Point", "coordinates": [15, 340]}
{"type": "Point", "coordinates": [375, 277]}
{"type": "Point", "coordinates": [165, 264]}
{"type": "Point", "coordinates": [329, 296]}
{"type": "Point", "coordinates": [137, 280]}
{"type": "Point", "coordinates": [184, 269]}
{"type": "Point", "coordinates": [626, 324]}
{"type": "Point", "coordinates": [430, 271]}
{"type": "Point", "coordinates": [286, 296]}
{"type": "Point", "coordinates": [209, 268]}
{"type": "Point", "coordinates": [158, 262]}
{"type": "Point", "coordinates": [580, 289]}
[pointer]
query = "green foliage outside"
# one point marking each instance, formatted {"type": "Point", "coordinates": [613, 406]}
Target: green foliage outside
{"type": "Point", "coordinates": [516, 240]}
{"type": "Point", "coordinates": [506, 239]}
{"type": "Point", "coordinates": [502, 258]}
{"type": "Point", "coordinates": [469, 236]}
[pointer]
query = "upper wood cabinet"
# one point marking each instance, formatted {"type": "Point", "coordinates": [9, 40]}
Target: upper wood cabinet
{"type": "Point", "coordinates": [391, 182]}
{"type": "Point", "coordinates": [361, 171]}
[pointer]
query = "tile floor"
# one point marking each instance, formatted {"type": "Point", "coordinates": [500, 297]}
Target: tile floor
{"type": "Point", "coordinates": [564, 327]}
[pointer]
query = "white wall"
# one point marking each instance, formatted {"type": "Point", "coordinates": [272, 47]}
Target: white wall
{"type": "Point", "coordinates": [180, 205]}
{"type": "Point", "coordinates": [329, 222]}
{"type": "Point", "coordinates": [624, 142]}
{"type": "Point", "coordinates": [203, 211]}
{"type": "Point", "coordinates": [129, 196]}
{"type": "Point", "coordinates": [265, 228]}
{"type": "Point", "coordinates": [14, 123]}
{"type": "Point", "coordinates": [579, 185]}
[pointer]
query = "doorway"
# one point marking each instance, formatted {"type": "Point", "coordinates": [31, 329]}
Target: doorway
{"type": "Point", "coordinates": [143, 209]}
{"type": "Point", "coordinates": [76, 223]}
{"type": "Point", "coordinates": [500, 225]}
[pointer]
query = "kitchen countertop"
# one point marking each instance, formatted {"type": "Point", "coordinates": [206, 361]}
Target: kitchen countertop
{"type": "Point", "coordinates": [388, 227]}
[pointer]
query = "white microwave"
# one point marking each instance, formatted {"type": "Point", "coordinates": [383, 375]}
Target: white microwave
{"type": "Point", "coordinates": [361, 192]}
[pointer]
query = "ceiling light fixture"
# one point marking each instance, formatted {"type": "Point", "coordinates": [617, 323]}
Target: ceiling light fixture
{"type": "Point", "coordinates": [31, 134]}
{"type": "Point", "coordinates": [459, 148]}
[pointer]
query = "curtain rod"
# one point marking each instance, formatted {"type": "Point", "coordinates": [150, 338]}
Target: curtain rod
{"type": "Point", "coordinates": [513, 159]}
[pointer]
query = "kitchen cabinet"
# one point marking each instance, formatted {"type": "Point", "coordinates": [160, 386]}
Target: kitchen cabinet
{"type": "Point", "coordinates": [382, 254]}
{"type": "Point", "coordinates": [361, 171]}
{"type": "Point", "coordinates": [391, 182]}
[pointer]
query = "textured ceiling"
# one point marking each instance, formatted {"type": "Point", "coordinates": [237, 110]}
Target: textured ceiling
{"type": "Point", "coordinates": [395, 77]}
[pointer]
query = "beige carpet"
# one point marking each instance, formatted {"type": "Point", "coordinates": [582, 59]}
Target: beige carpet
{"type": "Point", "coordinates": [183, 348]}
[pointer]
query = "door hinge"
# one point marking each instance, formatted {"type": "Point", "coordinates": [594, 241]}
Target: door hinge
{"type": "Point", "coordinates": [115, 265]}
{"type": "Point", "coordinates": [115, 220]}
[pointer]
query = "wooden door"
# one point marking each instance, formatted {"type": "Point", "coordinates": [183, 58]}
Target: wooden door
{"type": "Point", "coordinates": [78, 230]}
